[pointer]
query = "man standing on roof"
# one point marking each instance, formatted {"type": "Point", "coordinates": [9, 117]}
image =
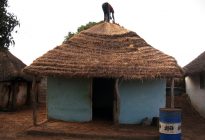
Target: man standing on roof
{"type": "Point", "coordinates": [107, 9]}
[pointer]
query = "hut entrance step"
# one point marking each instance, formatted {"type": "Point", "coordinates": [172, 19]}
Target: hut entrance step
{"type": "Point", "coordinates": [103, 99]}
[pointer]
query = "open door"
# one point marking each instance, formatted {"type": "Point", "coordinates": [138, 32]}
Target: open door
{"type": "Point", "coordinates": [103, 90]}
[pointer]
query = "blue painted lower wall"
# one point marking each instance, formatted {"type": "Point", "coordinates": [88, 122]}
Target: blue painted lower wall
{"type": "Point", "coordinates": [140, 99]}
{"type": "Point", "coordinates": [69, 99]}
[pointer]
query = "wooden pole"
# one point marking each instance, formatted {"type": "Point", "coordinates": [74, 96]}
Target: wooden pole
{"type": "Point", "coordinates": [34, 103]}
{"type": "Point", "coordinates": [116, 102]}
{"type": "Point", "coordinates": [16, 86]}
{"type": "Point", "coordinates": [91, 97]}
{"type": "Point", "coordinates": [172, 93]}
{"type": "Point", "coordinates": [9, 96]}
{"type": "Point", "coordinates": [12, 95]}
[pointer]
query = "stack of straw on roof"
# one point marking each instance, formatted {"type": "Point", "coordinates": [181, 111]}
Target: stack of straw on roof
{"type": "Point", "coordinates": [106, 50]}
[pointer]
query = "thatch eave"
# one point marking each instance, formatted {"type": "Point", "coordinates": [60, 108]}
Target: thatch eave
{"type": "Point", "coordinates": [11, 68]}
{"type": "Point", "coordinates": [196, 66]}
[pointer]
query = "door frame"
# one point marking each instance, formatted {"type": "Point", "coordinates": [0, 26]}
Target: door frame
{"type": "Point", "coordinates": [116, 102]}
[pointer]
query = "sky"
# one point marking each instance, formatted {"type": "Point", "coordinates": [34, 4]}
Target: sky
{"type": "Point", "coordinates": [175, 27]}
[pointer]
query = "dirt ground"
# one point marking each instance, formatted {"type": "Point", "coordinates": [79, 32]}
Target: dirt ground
{"type": "Point", "coordinates": [18, 125]}
{"type": "Point", "coordinates": [12, 123]}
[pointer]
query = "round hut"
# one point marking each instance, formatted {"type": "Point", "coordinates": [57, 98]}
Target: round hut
{"type": "Point", "coordinates": [105, 72]}
{"type": "Point", "coordinates": [14, 84]}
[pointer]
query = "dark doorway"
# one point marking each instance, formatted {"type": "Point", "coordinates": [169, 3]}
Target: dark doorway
{"type": "Point", "coordinates": [103, 98]}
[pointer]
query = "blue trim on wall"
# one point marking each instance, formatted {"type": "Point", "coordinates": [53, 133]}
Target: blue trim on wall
{"type": "Point", "coordinates": [69, 99]}
{"type": "Point", "coordinates": [140, 99]}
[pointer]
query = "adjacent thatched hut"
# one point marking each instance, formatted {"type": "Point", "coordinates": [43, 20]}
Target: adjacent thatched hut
{"type": "Point", "coordinates": [195, 82]}
{"type": "Point", "coordinates": [106, 72]}
{"type": "Point", "coordinates": [14, 84]}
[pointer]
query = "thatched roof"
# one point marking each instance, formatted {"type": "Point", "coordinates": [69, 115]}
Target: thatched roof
{"type": "Point", "coordinates": [106, 50]}
{"type": "Point", "coordinates": [196, 66]}
{"type": "Point", "coordinates": [10, 66]}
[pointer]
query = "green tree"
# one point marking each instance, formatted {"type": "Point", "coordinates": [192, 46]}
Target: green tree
{"type": "Point", "coordinates": [87, 26]}
{"type": "Point", "coordinates": [8, 21]}
{"type": "Point", "coordinates": [81, 28]}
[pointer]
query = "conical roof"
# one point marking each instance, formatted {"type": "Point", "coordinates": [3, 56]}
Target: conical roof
{"type": "Point", "coordinates": [106, 50]}
{"type": "Point", "coordinates": [196, 66]}
{"type": "Point", "coordinates": [10, 66]}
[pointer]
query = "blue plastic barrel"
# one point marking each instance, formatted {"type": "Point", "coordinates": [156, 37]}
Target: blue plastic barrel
{"type": "Point", "coordinates": [170, 124]}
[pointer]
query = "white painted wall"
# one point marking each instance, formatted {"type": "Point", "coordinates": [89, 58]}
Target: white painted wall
{"type": "Point", "coordinates": [197, 95]}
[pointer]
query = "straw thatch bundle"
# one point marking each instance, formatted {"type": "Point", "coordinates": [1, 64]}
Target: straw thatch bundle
{"type": "Point", "coordinates": [10, 67]}
{"type": "Point", "coordinates": [106, 50]}
{"type": "Point", "coordinates": [196, 66]}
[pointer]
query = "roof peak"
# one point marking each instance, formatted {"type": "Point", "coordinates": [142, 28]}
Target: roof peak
{"type": "Point", "coordinates": [107, 28]}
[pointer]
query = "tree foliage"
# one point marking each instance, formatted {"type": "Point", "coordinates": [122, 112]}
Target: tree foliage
{"type": "Point", "coordinates": [85, 27]}
{"type": "Point", "coordinates": [81, 28]}
{"type": "Point", "coordinates": [8, 21]}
